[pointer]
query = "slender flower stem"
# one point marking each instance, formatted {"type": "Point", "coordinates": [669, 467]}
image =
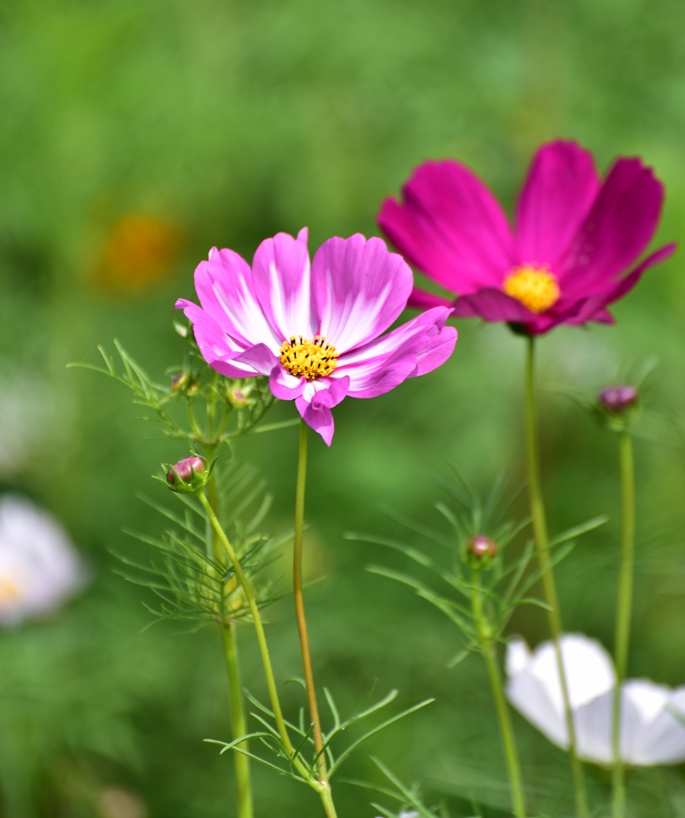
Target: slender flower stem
{"type": "Point", "coordinates": [623, 610]}
{"type": "Point", "coordinates": [299, 605]}
{"type": "Point", "coordinates": [537, 511]}
{"type": "Point", "coordinates": [241, 761]}
{"type": "Point", "coordinates": [261, 637]}
{"type": "Point", "coordinates": [238, 721]}
{"type": "Point", "coordinates": [489, 652]}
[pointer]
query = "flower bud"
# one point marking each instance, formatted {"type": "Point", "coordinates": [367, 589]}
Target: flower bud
{"type": "Point", "coordinates": [179, 382]}
{"type": "Point", "coordinates": [188, 475]}
{"type": "Point", "coordinates": [480, 551]}
{"type": "Point", "coordinates": [617, 399]}
{"type": "Point", "coordinates": [240, 394]}
{"type": "Point", "coordinates": [185, 383]}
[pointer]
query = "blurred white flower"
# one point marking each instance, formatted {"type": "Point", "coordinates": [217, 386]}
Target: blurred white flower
{"type": "Point", "coordinates": [652, 715]}
{"type": "Point", "coordinates": [39, 567]}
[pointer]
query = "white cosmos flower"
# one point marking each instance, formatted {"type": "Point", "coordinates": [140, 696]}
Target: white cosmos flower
{"type": "Point", "coordinates": [652, 715]}
{"type": "Point", "coordinates": [39, 567]}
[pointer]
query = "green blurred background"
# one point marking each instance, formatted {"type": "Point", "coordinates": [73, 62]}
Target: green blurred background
{"type": "Point", "coordinates": [134, 135]}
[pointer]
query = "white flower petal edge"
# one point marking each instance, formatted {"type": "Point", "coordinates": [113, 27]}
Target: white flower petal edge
{"type": "Point", "coordinates": [39, 567]}
{"type": "Point", "coordinates": [652, 715]}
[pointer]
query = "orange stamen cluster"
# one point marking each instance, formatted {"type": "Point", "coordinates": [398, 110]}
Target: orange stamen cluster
{"type": "Point", "coordinates": [309, 359]}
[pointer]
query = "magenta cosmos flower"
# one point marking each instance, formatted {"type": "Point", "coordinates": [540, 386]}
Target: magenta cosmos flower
{"type": "Point", "coordinates": [575, 236]}
{"type": "Point", "coordinates": [314, 329]}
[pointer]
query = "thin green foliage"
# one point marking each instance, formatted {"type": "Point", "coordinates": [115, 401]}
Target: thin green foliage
{"type": "Point", "coordinates": [237, 404]}
{"type": "Point", "coordinates": [192, 582]}
{"type": "Point", "coordinates": [504, 585]}
{"type": "Point", "coordinates": [303, 744]}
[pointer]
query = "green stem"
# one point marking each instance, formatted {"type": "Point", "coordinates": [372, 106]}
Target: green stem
{"type": "Point", "coordinates": [299, 604]}
{"type": "Point", "coordinates": [623, 610]}
{"type": "Point", "coordinates": [238, 721]}
{"type": "Point", "coordinates": [508, 743]}
{"type": "Point", "coordinates": [537, 511]}
{"type": "Point", "coordinates": [261, 638]}
{"type": "Point", "coordinates": [241, 761]}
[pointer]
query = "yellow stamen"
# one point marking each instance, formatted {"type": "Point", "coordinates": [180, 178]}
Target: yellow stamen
{"type": "Point", "coordinates": [9, 590]}
{"type": "Point", "coordinates": [311, 359]}
{"type": "Point", "coordinates": [534, 286]}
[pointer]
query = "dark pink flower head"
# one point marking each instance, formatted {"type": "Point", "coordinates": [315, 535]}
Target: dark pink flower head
{"type": "Point", "coordinates": [575, 236]}
{"type": "Point", "coordinates": [314, 328]}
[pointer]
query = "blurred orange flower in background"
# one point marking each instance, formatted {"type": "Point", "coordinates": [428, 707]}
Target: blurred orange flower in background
{"type": "Point", "coordinates": [139, 251]}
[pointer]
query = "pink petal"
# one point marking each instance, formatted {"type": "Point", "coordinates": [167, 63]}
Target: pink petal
{"type": "Point", "coordinates": [281, 280]}
{"type": "Point", "coordinates": [316, 402]}
{"type": "Point", "coordinates": [561, 186]}
{"type": "Point", "coordinates": [217, 348]}
{"type": "Point", "coordinates": [617, 230]}
{"type": "Point", "coordinates": [260, 358]}
{"type": "Point", "coordinates": [358, 288]}
{"type": "Point", "coordinates": [415, 348]}
{"type": "Point", "coordinates": [451, 227]}
{"type": "Point", "coordinates": [285, 386]}
{"type": "Point", "coordinates": [318, 418]}
{"type": "Point", "coordinates": [224, 287]}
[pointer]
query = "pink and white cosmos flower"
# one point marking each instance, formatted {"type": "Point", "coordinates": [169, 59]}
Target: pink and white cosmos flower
{"type": "Point", "coordinates": [313, 328]}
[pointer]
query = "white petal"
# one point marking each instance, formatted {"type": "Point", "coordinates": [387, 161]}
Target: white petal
{"type": "Point", "coordinates": [529, 696]}
{"type": "Point", "coordinates": [593, 726]}
{"type": "Point", "coordinates": [588, 668]}
{"type": "Point", "coordinates": [650, 732]}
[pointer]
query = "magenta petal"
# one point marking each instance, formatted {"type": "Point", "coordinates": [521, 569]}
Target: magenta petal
{"type": "Point", "coordinates": [591, 309]}
{"type": "Point", "coordinates": [422, 300]}
{"type": "Point", "coordinates": [281, 280]}
{"type": "Point", "coordinates": [451, 227]}
{"type": "Point", "coordinates": [561, 186]}
{"type": "Point", "coordinates": [492, 305]}
{"type": "Point", "coordinates": [620, 288]}
{"type": "Point", "coordinates": [358, 289]}
{"type": "Point", "coordinates": [617, 230]}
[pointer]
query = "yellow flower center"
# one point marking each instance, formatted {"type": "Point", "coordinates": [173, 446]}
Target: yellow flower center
{"type": "Point", "coordinates": [535, 287]}
{"type": "Point", "coordinates": [313, 359]}
{"type": "Point", "coordinates": [9, 590]}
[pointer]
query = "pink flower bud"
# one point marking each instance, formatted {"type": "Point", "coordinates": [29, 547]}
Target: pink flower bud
{"type": "Point", "coordinates": [480, 550]}
{"type": "Point", "coordinates": [616, 399]}
{"type": "Point", "coordinates": [188, 475]}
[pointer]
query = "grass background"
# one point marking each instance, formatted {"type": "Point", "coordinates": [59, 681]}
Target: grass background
{"type": "Point", "coordinates": [231, 121]}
